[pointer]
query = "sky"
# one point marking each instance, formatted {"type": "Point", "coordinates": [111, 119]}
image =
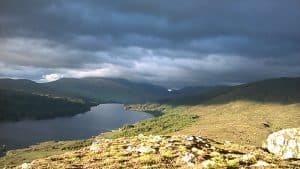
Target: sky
{"type": "Point", "coordinates": [173, 43]}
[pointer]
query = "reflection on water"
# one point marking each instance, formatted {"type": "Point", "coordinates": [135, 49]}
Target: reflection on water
{"type": "Point", "coordinates": [100, 119]}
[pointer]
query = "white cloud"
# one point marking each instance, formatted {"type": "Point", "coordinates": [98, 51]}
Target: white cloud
{"type": "Point", "coordinates": [51, 77]}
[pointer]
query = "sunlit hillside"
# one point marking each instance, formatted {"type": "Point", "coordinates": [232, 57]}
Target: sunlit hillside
{"type": "Point", "coordinates": [243, 114]}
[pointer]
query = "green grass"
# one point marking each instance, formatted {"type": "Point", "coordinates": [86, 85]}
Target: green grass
{"type": "Point", "coordinates": [46, 149]}
{"type": "Point", "coordinates": [244, 114]}
{"type": "Point", "coordinates": [167, 122]}
{"type": "Point", "coordinates": [242, 121]}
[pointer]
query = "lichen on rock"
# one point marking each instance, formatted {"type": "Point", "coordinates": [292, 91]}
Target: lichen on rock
{"type": "Point", "coordinates": [284, 143]}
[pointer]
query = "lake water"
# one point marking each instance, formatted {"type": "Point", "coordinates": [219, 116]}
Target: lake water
{"type": "Point", "coordinates": [99, 119]}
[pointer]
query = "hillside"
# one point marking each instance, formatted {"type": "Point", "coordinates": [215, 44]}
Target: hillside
{"type": "Point", "coordinates": [24, 85]}
{"type": "Point", "coordinates": [23, 98]}
{"type": "Point", "coordinates": [17, 105]}
{"type": "Point", "coordinates": [281, 90]}
{"type": "Point", "coordinates": [244, 114]}
{"type": "Point", "coordinates": [27, 99]}
{"type": "Point", "coordinates": [196, 90]}
{"type": "Point", "coordinates": [30, 87]}
{"type": "Point", "coordinates": [162, 152]}
{"type": "Point", "coordinates": [93, 89]}
{"type": "Point", "coordinates": [109, 90]}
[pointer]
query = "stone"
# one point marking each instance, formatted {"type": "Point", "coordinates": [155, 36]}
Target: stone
{"type": "Point", "coordinates": [94, 147]}
{"type": "Point", "coordinates": [156, 139]}
{"type": "Point", "coordinates": [160, 152]}
{"type": "Point", "coordinates": [190, 138]}
{"type": "Point", "coordinates": [284, 143]}
{"type": "Point", "coordinates": [145, 150]}
{"type": "Point", "coordinates": [188, 158]}
{"type": "Point", "coordinates": [25, 166]}
{"type": "Point", "coordinates": [130, 149]}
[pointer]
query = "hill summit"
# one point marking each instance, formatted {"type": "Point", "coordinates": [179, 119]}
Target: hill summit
{"type": "Point", "coordinates": [161, 152]}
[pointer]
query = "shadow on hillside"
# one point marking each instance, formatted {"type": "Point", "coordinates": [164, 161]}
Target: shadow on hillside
{"type": "Point", "coordinates": [280, 91]}
{"type": "Point", "coordinates": [217, 101]}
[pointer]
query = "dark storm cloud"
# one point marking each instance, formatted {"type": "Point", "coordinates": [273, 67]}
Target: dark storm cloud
{"type": "Point", "coordinates": [198, 40]}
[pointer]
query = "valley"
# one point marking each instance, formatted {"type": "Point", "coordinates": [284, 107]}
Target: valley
{"type": "Point", "coordinates": [25, 99]}
{"type": "Point", "coordinates": [240, 115]}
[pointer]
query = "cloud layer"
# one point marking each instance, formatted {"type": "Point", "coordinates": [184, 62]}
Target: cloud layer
{"type": "Point", "coordinates": [172, 43]}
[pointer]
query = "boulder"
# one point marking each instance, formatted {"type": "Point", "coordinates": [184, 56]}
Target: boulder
{"type": "Point", "coordinates": [284, 143]}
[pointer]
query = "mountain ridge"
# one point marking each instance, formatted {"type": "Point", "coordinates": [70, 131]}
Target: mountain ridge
{"type": "Point", "coordinates": [281, 90]}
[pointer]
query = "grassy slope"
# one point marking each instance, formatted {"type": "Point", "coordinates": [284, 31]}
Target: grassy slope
{"type": "Point", "coordinates": [243, 114]}
{"type": "Point", "coordinates": [242, 121]}
{"type": "Point", "coordinates": [281, 90]}
{"type": "Point", "coordinates": [248, 113]}
{"type": "Point", "coordinates": [166, 152]}
{"type": "Point", "coordinates": [170, 120]}
{"type": "Point", "coordinates": [46, 149]}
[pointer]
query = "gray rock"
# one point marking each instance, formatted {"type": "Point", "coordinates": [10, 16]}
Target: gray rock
{"type": "Point", "coordinates": [188, 158]}
{"type": "Point", "coordinates": [284, 143]}
{"type": "Point", "coordinates": [25, 166]}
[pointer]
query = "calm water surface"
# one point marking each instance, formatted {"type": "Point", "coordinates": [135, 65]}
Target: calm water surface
{"type": "Point", "coordinates": [101, 118]}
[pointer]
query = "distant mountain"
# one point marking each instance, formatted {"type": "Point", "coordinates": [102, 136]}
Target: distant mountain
{"type": "Point", "coordinates": [30, 87]}
{"type": "Point", "coordinates": [99, 90]}
{"type": "Point", "coordinates": [108, 90]}
{"type": "Point", "coordinates": [280, 90]}
{"type": "Point", "coordinates": [24, 85]}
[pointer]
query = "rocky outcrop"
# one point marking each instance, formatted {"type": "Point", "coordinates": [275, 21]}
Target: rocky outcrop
{"type": "Point", "coordinates": [161, 152]}
{"type": "Point", "coordinates": [284, 143]}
